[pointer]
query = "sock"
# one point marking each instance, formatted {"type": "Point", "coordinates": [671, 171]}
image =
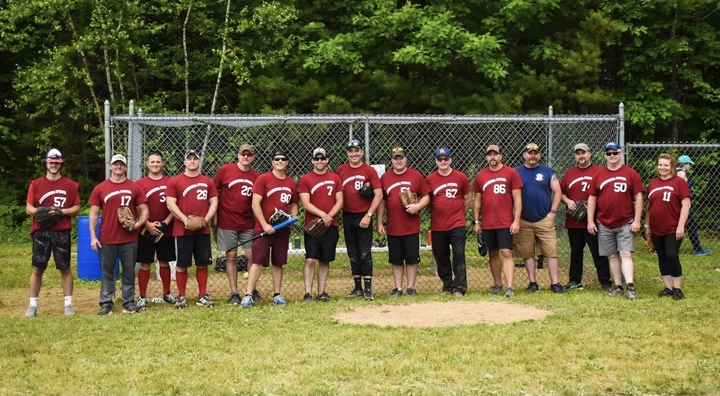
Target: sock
{"type": "Point", "coordinates": [202, 278]}
{"type": "Point", "coordinates": [68, 300]}
{"type": "Point", "coordinates": [631, 286]}
{"type": "Point", "coordinates": [368, 283]}
{"type": "Point", "coordinates": [143, 278]}
{"type": "Point", "coordinates": [358, 283]}
{"type": "Point", "coordinates": [165, 278]}
{"type": "Point", "coordinates": [181, 282]}
{"type": "Point", "coordinates": [33, 301]}
{"type": "Point", "coordinates": [276, 294]}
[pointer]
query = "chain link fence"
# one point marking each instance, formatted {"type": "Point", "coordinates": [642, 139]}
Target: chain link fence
{"type": "Point", "coordinates": [219, 136]}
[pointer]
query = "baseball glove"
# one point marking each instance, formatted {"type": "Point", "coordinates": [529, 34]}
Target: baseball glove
{"type": "Point", "coordinates": [649, 242]}
{"type": "Point", "coordinates": [367, 192]}
{"type": "Point", "coordinates": [195, 223]}
{"type": "Point", "coordinates": [279, 216]}
{"type": "Point", "coordinates": [408, 197]}
{"type": "Point", "coordinates": [482, 246]}
{"type": "Point", "coordinates": [48, 216]}
{"type": "Point", "coordinates": [316, 228]}
{"type": "Point", "coordinates": [580, 212]}
{"type": "Point", "coordinates": [150, 237]}
{"type": "Point", "coordinates": [126, 217]}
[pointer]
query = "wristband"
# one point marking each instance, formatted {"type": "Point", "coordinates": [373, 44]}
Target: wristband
{"type": "Point", "coordinates": [476, 222]}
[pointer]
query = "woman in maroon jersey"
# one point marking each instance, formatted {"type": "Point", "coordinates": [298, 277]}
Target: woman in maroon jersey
{"type": "Point", "coordinates": [667, 214]}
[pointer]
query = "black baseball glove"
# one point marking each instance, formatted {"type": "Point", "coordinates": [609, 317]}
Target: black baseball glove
{"type": "Point", "coordinates": [580, 212]}
{"type": "Point", "coordinates": [367, 192]}
{"type": "Point", "coordinates": [279, 216]}
{"type": "Point", "coordinates": [482, 246]}
{"type": "Point", "coordinates": [48, 216]}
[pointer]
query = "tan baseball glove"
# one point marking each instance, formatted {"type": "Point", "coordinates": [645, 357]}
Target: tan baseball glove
{"type": "Point", "coordinates": [649, 242]}
{"type": "Point", "coordinates": [408, 197]}
{"type": "Point", "coordinates": [316, 228]}
{"type": "Point", "coordinates": [195, 223]}
{"type": "Point", "coordinates": [126, 217]}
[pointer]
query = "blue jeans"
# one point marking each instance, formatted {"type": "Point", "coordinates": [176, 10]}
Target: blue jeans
{"type": "Point", "coordinates": [108, 254]}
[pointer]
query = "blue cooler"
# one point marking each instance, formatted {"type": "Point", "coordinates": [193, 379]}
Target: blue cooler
{"type": "Point", "coordinates": [88, 266]}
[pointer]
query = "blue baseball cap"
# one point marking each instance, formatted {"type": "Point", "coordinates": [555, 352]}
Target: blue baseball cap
{"type": "Point", "coordinates": [612, 146]}
{"type": "Point", "coordinates": [443, 151]}
{"type": "Point", "coordinates": [684, 159]}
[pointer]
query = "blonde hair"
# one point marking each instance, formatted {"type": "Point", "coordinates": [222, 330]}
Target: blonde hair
{"type": "Point", "coordinates": [673, 163]}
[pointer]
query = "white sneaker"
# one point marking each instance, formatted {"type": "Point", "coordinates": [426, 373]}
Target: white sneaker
{"type": "Point", "coordinates": [31, 312]}
{"type": "Point", "coordinates": [69, 311]}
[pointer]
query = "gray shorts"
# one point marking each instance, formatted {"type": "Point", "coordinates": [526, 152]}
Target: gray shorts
{"type": "Point", "coordinates": [612, 241]}
{"type": "Point", "coordinates": [229, 240]}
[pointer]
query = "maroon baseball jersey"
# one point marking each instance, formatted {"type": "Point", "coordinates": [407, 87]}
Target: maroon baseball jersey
{"type": "Point", "coordinates": [664, 204]}
{"type": "Point", "coordinates": [576, 186]}
{"type": "Point", "coordinates": [235, 187]}
{"type": "Point", "coordinates": [322, 190]}
{"type": "Point", "coordinates": [155, 194]}
{"type": "Point", "coordinates": [496, 202]}
{"type": "Point", "coordinates": [615, 192]}
{"type": "Point", "coordinates": [275, 193]}
{"type": "Point", "coordinates": [109, 197]}
{"type": "Point", "coordinates": [352, 180]}
{"type": "Point", "coordinates": [446, 198]}
{"type": "Point", "coordinates": [62, 193]}
{"type": "Point", "coordinates": [399, 222]}
{"type": "Point", "coordinates": [192, 195]}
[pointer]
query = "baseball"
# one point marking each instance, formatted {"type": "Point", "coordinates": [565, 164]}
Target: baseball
{"type": "Point", "coordinates": [245, 275]}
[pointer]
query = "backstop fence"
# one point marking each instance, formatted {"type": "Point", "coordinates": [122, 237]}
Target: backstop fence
{"type": "Point", "coordinates": [219, 136]}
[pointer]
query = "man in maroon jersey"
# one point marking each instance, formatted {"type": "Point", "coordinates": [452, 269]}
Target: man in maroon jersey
{"type": "Point", "coordinates": [52, 190]}
{"type": "Point", "coordinates": [615, 206]}
{"type": "Point", "coordinates": [192, 193]}
{"type": "Point", "coordinates": [496, 213]}
{"type": "Point", "coordinates": [235, 220]}
{"type": "Point", "coordinates": [274, 189]}
{"type": "Point", "coordinates": [321, 194]}
{"type": "Point", "coordinates": [155, 185]}
{"type": "Point", "coordinates": [450, 200]}
{"type": "Point", "coordinates": [358, 211]}
{"type": "Point", "coordinates": [403, 223]}
{"type": "Point", "coordinates": [116, 241]}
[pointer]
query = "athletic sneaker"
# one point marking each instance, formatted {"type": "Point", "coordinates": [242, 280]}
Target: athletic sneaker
{"type": "Point", "coordinates": [666, 293]}
{"type": "Point", "coordinates": [205, 301]}
{"type": "Point", "coordinates": [558, 288]}
{"type": "Point", "coordinates": [510, 292]}
{"type": "Point", "coordinates": [703, 252]}
{"type": "Point", "coordinates": [234, 299]}
{"type": "Point", "coordinates": [678, 294]}
{"type": "Point", "coordinates": [458, 293]}
{"type": "Point", "coordinates": [169, 298]}
{"type": "Point", "coordinates": [130, 309]}
{"type": "Point", "coordinates": [279, 300]}
{"type": "Point", "coordinates": [606, 288]}
{"type": "Point", "coordinates": [31, 312]}
{"type": "Point", "coordinates": [69, 311]}
{"type": "Point", "coordinates": [256, 296]}
{"type": "Point", "coordinates": [532, 287]}
{"type": "Point", "coordinates": [631, 294]}
{"type": "Point", "coordinates": [617, 290]}
{"type": "Point", "coordinates": [368, 295]}
{"type": "Point", "coordinates": [247, 301]}
{"type": "Point", "coordinates": [105, 310]}
{"type": "Point", "coordinates": [307, 298]}
{"type": "Point", "coordinates": [396, 293]}
{"type": "Point", "coordinates": [411, 292]}
{"type": "Point", "coordinates": [496, 289]}
{"type": "Point", "coordinates": [141, 303]}
{"type": "Point", "coordinates": [180, 302]}
{"type": "Point", "coordinates": [324, 297]}
{"type": "Point", "coordinates": [355, 293]}
{"type": "Point", "coordinates": [572, 285]}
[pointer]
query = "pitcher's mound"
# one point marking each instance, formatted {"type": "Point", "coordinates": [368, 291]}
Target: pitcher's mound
{"type": "Point", "coordinates": [433, 314]}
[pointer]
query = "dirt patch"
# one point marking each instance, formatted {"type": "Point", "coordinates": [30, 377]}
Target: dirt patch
{"type": "Point", "coordinates": [432, 314]}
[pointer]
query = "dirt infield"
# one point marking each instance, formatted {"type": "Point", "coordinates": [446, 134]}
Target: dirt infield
{"type": "Point", "coordinates": [431, 314]}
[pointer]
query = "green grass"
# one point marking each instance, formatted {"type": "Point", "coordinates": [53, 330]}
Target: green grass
{"type": "Point", "coordinates": [591, 344]}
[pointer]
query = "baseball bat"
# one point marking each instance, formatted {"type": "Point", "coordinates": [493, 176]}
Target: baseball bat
{"type": "Point", "coordinates": [276, 227]}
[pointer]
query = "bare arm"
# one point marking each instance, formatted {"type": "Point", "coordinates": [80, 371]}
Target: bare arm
{"type": "Point", "coordinates": [517, 211]}
{"type": "Point", "coordinates": [257, 211]}
{"type": "Point", "coordinates": [92, 226]}
{"type": "Point", "coordinates": [175, 210]}
{"type": "Point", "coordinates": [142, 217]}
{"type": "Point", "coordinates": [557, 194]}
{"type": "Point", "coordinates": [592, 204]}
{"type": "Point", "coordinates": [684, 213]}
{"type": "Point", "coordinates": [380, 215]}
{"type": "Point", "coordinates": [635, 227]}
{"type": "Point", "coordinates": [212, 209]}
{"type": "Point", "coordinates": [476, 211]}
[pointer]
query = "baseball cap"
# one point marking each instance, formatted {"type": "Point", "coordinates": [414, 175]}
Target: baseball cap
{"type": "Point", "coordinates": [118, 157]}
{"type": "Point", "coordinates": [398, 151]}
{"type": "Point", "coordinates": [684, 159]}
{"type": "Point", "coordinates": [192, 152]}
{"type": "Point", "coordinates": [493, 147]}
{"type": "Point", "coordinates": [443, 151]}
{"type": "Point", "coordinates": [54, 156]}
{"type": "Point", "coordinates": [532, 147]}
{"type": "Point", "coordinates": [320, 151]}
{"type": "Point", "coordinates": [354, 143]}
{"type": "Point", "coordinates": [581, 146]}
{"type": "Point", "coordinates": [247, 147]}
{"type": "Point", "coordinates": [612, 146]}
{"type": "Point", "coordinates": [280, 153]}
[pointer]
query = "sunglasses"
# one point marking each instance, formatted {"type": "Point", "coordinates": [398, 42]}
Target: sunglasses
{"type": "Point", "coordinates": [319, 158]}
{"type": "Point", "coordinates": [280, 159]}
{"type": "Point", "coordinates": [442, 159]}
{"type": "Point", "coordinates": [611, 153]}
{"type": "Point", "coordinates": [246, 154]}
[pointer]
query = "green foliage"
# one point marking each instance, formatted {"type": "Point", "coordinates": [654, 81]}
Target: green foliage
{"type": "Point", "coordinates": [14, 224]}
